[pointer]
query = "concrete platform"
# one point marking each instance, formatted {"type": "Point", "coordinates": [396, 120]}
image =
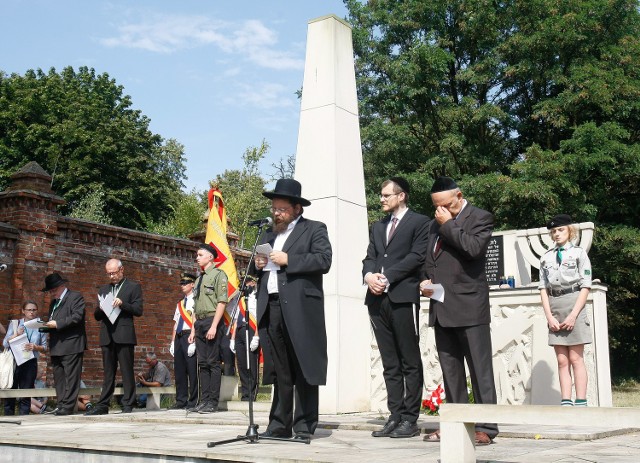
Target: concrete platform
{"type": "Point", "coordinates": [173, 436]}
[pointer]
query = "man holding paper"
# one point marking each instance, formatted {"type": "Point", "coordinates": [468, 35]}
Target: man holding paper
{"type": "Point", "coordinates": [67, 341]}
{"type": "Point", "coordinates": [396, 252]}
{"type": "Point", "coordinates": [118, 302]}
{"type": "Point", "coordinates": [458, 241]}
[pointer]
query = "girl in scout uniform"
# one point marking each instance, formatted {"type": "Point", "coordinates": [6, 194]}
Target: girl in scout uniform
{"type": "Point", "coordinates": [565, 280]}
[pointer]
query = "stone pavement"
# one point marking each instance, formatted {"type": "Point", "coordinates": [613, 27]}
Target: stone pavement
{"type": "Point", "coordinates": [174, 436]}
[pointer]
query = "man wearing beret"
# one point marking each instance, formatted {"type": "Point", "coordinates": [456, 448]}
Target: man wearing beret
{"type": "Point", "coordinates": [456, 250]}
{"type": "Point", "coordinates": [391, 269]}
{"type": "Point", "coordinates": [291, 311]}
{"type": "Point", "coordinates": [185, 367]}
{"type": "Point", "coordinates": [210, 299]}
{"type": "Point", "coordinates": [118, 337]}
{"type": "Point", "coordinates": [67, 341]}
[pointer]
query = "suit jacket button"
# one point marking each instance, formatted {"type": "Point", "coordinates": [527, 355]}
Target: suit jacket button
{"type": "Point", "coordinates": [385, 255]}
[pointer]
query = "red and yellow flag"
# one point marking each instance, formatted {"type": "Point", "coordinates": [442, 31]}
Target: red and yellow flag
{"type": "Point", "coordinates": [217, 237]}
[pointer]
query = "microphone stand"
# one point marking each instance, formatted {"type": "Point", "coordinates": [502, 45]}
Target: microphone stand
{"type": "Point", "coordinates": [251, 436]}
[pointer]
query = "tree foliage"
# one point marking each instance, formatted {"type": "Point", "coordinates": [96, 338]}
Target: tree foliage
{"type": "Point", "coordinates": [534, 106]}
{"type": "Point", "coordinates": [80, 127]}
{"type": "Point", "coordinates": [186, 218]}
{"type": "Point", "coordinates": [242, 192]}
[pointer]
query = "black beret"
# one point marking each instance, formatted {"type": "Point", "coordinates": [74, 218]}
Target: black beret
{"type": "Point", "coordinates": [559, 220]}
{"type": "Point", "coordinates": [402, 183]}
{"type": "Point", "coordinates": [208, 247]}
{"type": "Point", "coordinates": [186, 278]}
{"type": "Point", "coordinates": [443, 184]}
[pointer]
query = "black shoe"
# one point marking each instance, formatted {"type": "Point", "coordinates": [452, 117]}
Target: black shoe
{"type": "Point", "coordinates": [127, 409]}
{"type": "Point", "coordinates": [178, 407]}
{"type": "Point", "coordinates": [197, 407]}
{"type": "Point", "coordinates": [51, 412]}
{"type": "Point", "coordinates": [208, 408]}
{"type": "Point", "coordinates": [303, 436]}
{"type": "Point", "coordinates": [406, 429]}
{"type": "Point", "coordinates": [97, 411]}
{"type": "Point", "coordinates": [386, 430]}
{"type": "Point", "coordinates": [270, 433]}
{"type": "Point", "coordinates": [62, 412]}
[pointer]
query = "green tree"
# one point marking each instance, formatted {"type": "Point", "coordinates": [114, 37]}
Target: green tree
{"type": "Point", "coordinates": [242, 192]}
{"type": "Point", "coordinates": [186, 218]}
{"type": "Point", "coordinates": [532, 105]}
{"type": "Point", "coordinates": [80, 127]}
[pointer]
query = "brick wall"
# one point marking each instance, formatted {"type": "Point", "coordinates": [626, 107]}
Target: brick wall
{"type": "Point", "coordinates": [36, 241]}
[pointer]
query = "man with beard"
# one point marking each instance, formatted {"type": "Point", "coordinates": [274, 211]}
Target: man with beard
{"type": "Point", "coordinates": [291, 311]}
{"type": "Point", "coordinates": [118, 337]}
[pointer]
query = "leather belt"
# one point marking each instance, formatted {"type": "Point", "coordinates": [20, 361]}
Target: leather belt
{"type": "Point", "coordinates": [202, 316]}
{"type": "Point", "coordinates": [183, 333]}
{"type": "Point", "coordinates": [561, 292]}
{"type": "Point", "coordinates": [274, 297]}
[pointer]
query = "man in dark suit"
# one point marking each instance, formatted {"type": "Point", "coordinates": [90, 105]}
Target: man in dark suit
{"type": "Point", "coordinates": [396, 252]}
{"type": "Point", "coordinates": [291, 311]}
{"type": "Point", "coordinates": [118, 337]}
{"type": "Point", "coordinates": [67, 341]}
{"type": "Point", "coordinates": [458, 241]}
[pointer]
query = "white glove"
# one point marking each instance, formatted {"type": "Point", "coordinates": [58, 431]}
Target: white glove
{"type": "Point", "coordinates": [171, 350]}
{"type": "Point", "coordinates": [191, 349]}
{"type": "Point", "coordinates": [232, 345]}
{"type": "Point", "coordinates": [255, 343]}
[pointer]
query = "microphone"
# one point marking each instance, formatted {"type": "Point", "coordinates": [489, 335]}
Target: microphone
{"type": "Point", "coordinates": [3, 267]}
{"type": "Point", "coordinates": [261, 222]}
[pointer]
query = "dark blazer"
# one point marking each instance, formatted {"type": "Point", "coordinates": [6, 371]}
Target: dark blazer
{"type": "Point", "coordinates": [401, 259]}
{"type": "Point", "coordinates": [301, 295]}
{"type": "Point", "coordinates": [123, 330]}
{"type": "Point", "coordinates": [460, 268]}
{"type": "Point", "coordinates": [70, 336]}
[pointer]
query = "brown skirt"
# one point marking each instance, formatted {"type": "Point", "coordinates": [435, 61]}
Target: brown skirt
{"type": "Point", "coordinates": [581, 333]}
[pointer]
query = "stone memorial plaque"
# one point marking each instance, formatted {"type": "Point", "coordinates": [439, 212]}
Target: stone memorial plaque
{"type": "Point", "coordinates": [494, 265]}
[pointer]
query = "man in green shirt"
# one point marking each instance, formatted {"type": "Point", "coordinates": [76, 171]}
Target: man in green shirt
{"type": "Point", "coordinates": [210, 299]}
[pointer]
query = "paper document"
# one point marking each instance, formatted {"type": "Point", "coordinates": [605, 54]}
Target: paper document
{"type": "Point", "coordinates": [17, 347]}
{"type": "Point", "coordinates": [34, 324]}
{"type": "Point", "coordinates": [438, 291]}
{"type": "Point", "coordinates": [106, 304]}
{"type": "Point", "coordinates": [264, 250]}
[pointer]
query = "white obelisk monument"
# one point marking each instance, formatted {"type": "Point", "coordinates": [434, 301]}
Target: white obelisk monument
{"type": "Point", "coordinates": [329, 167]}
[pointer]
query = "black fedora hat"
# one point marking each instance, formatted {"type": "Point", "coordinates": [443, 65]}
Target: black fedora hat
{"type": "Point", "coordinates": [288, 188]}
{"type": "Point", "coordinates": [53, 281]}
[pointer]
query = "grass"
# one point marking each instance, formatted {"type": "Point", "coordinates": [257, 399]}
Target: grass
{"type": "Point", "coordinates": [626, 393]}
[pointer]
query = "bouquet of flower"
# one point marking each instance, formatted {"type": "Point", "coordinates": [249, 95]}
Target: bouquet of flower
{"type": "Point", "coordinates": [435, 399]}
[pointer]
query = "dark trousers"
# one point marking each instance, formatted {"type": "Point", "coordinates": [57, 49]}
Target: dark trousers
{"type": "Point", "coordinates": [208, 352]}
{"type": "Point", "coordinates": [247, 374]}
{"type": "Point", "coordinates": [472, 343]}
{"type": "Point", "coordinates": [396, 329]}
{"type": "Point", "coordinates": [24, 377]}
{"type": "Point", "coordinates": [66, 375]}
{"type": "Point", "coordinates": [290, 385]}
{"type": "Point", "coordinates": [113, 355]}
{"type": "Point", "coordinates": [185, 369]}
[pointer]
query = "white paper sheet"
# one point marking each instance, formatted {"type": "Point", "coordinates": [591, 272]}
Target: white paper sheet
{"type": "Point", "coordinates": [34, 324]}
{"type": "Point", "coordinates": [264, 250]}
{"type": "Point", "coordinates": [438, 291]}
{"type": "Point", "coordinates": [106, 304]}
{"type": "Point", "coordinates": [17, 347]}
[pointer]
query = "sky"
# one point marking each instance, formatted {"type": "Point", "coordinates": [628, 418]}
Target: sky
{"type": "Point", "coordinates": [219, 76]}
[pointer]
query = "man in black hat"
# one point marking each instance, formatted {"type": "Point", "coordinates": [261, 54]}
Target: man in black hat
{"type": "Point", "coordinates": [185, 366]}
{"type": "Point", "coordinates": [291, 311]}
{"type": "Point", "coordinates": [396, 252]}
{"type": "Point", "coordinates": [210, 300]}
{"type": "Point", "coordinates": [458, 241]}
{"type": "Point", "coordinates": [118, 336]}
{"type": "Point", "coordinates": [67, 341]}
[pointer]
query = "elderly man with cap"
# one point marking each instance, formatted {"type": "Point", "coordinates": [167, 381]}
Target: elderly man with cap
{"type": "Point", "coordinates": [185, 366]}
{"type": "Point", "coordinates": [117, 335]}
{"type": "Point", "coordinates": [456, 255]}
{"type": "Point", "coordinates": [210, 299]}
{"type": "Point", "coordinates": [291, 311]}
{"type": "Point", "coordinates": [67, 341]}
{"type": "Point", "coordinates": [391, 270]}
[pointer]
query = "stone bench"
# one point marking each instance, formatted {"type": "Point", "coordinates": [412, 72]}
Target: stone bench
{"type": "Point", "coordinates": [457, 422]}
{"type": "Point", "coordinates": [153, 400]}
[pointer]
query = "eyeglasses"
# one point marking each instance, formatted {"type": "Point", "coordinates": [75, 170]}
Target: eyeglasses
{"type": "Point", "coordinates": [385, 197]}
{"type": "Point", "coordinates": [30, 310]}
{"type": "Point", "coordinates": [279, 210]}
{"type": "Point", "coordinates": [111, 274]}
